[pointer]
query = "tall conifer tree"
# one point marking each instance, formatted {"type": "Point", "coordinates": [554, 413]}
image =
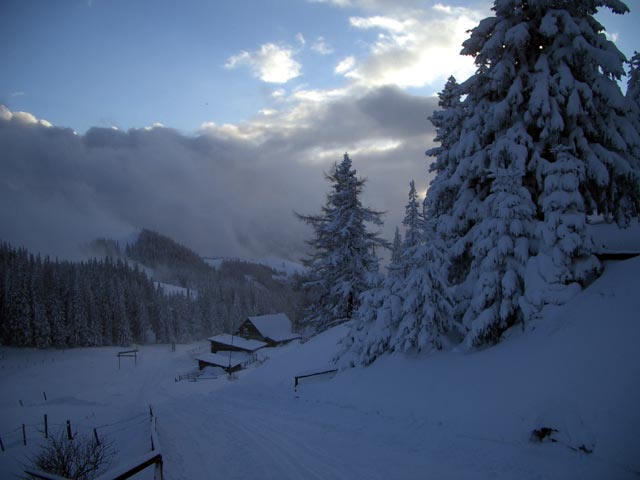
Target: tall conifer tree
{"type": "Point", "coordinates": [544, 102]}
{"type": "Point", "coordinates": [343, 256]}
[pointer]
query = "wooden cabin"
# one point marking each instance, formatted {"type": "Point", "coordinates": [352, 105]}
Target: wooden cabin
{"type": "Point", "coordinates": [229, 361]}
{"type": "Point", "coordinates": [275, 329]}
{"type": "Point", "coordinates": [234, 343]}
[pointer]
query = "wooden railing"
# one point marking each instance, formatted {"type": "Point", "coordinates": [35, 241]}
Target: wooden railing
{"type": "Point", "coordinates": [189, 376]}
{"type": "Point", "coordinates": [297, 378]}
{"type": "Point", "coordinates": [128, 353]}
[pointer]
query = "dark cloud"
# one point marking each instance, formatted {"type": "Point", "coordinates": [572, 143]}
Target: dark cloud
{"type": "Point", "coordinates": [230, 190]}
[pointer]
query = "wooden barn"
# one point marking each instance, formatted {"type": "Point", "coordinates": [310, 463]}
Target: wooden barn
{"type": "Point", "coordinates": [273, 330]}
{"type": "Point", "coordinates": [234, 343]}
{"type": "Point", "coordinates": [229, 361]}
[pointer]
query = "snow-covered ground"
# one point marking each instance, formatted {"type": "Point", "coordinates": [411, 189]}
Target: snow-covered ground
{"type": "Point", "coordinates": [451, 415]}
{"type": "Point", "coordinates": [286, 268]}
{"type": "Point", "coordinates": [170, 289]}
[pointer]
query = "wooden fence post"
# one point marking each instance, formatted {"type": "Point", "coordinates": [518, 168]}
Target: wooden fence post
{"type": "Point", "coordinates": [46, 427]}
{"type": "Point", "coordinates": [95, 434]}
{"type": "Point", "coordinates": [158, 470]}
{"type": "Point", "coordinates": [1, 444]}
{"type": "Point", "coordinates": [69, 436]}
{"type": "Point", "coordinates": [24, 436]}
{"type": "Point", "coordinates": [45, 396]}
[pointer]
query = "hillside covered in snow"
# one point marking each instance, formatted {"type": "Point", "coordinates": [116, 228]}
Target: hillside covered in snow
{"type": "Point", "coordinates": [447, 415]}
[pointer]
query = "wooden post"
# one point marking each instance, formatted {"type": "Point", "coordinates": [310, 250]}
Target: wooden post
{"type": "Point", "coordinates": [150, 411]}
{"type": "Point", "coordinates": [21, 403]}
{"type": "Point", "coordinates": [46, 427]}
{"type": "Point", "coordinates": [69, 436]}
{"type": "Point", "coordinates": [157, 474]}
{"type": "Point", "coordinates": [1, 444]}
{"type": "Point", "coordinates": [24, 436]}
{"type": "Point", "coordinates": [95, 434]}
{"type": "Point", "coordinates": [45, 396]}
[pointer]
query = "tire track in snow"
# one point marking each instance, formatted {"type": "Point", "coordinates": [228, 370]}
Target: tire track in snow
{"type": "Point", "coordinates": [284, 441]}
{"type": "Point", "coordinates": [247, 438]}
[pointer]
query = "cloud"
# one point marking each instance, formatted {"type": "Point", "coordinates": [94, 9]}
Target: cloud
{"type": "Point", "coordinates": [417, 43]}
{"type": "Point", "coordinates": [24, 118]}
{"type": "Point", "coordinates": [228, 190]}
{"type": "Point", "coordinates": [271, 63]}
{"type": "Point", "coordinates": [320, 46]}
{"type": "Point", "coordinates": [416, 49]}
{"type": "Point", "coordinates": [345, 65]}
{"type": "Point", "coordinates": [385, 23]}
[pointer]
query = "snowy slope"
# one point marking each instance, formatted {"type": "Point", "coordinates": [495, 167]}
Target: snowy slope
{"type": "Point", "coordinates": [452, 415]}
{"type": "Point", "coordinates": [286, 268]}
{"type": "Point", "coordinates": [169, 289]}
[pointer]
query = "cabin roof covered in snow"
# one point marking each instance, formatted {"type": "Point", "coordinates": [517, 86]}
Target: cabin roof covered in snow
{"type": "Point", "coordinates": [235, 341]}
{"type": "Point", "coordinates": [276, 327]}
{"type": "Point", "coordinates": [610, 238]}
{"type": "Point", "coordinates": [227, 359]}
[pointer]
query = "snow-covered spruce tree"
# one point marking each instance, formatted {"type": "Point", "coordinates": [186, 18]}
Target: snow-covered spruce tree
{"type": "Point", "coordinates": [633, 82]}
{"type": "Point", "coordinates": [410, 309]}
{"type": "Point", "coordinates": [563, 257]}
{"type": "Point", "coordinates": [380, 309]}
{"type": "Point", "coordinates": [448, 123]}
{"type": "Point", "coordinates": [376, 321]}
{"type": "Point", "coordinates": [396, 254]}
{"type": "Point", "coordinates": [545, 91]}
{"type": "Point", "coordinates": [425, 314]}
{"type": "Point", "coordinates": [414, 226]}
{"type": "Point", "coordinates": [500, 251]}
{"type": "Point", "coordinates": [343, 256]}
{"type": "Point", "coordinates": [633, 92]}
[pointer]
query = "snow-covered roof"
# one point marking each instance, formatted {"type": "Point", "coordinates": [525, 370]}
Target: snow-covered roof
{"type": "Point", "coordinates": [276, 327]}
{"type": "Point", "coordinates": [243, 343]}
{"type": "Point", "coordinates": [227, 359]}
{"type": "Point", "coordinates": [609, 238]}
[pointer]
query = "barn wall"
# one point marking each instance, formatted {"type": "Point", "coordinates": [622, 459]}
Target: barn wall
{"type": "Point", "coordinates": [249, 331]}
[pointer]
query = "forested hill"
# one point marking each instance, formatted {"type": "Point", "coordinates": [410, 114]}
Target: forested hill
{"type": "Point", "coordinates": [172, 263]}
{"type": "Point", "coordinates": [111, 301]}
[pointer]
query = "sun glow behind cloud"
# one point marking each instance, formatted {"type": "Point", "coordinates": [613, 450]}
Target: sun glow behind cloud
{"type": "Point", "coordinates": [415, 51]}
{"type": "Point", "coordinates": [271, 63]}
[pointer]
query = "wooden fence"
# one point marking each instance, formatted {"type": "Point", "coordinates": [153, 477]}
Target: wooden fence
{"type": "Point", "coordinates": [129, 469]}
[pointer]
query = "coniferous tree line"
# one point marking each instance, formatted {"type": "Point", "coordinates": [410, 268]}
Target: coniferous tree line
{"type": "Point", "coordinates": [52, 303]}
{"type": "Point", "coordinates": [171, 262]}
{"type": "Point", "coordinates": [228, 293]}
